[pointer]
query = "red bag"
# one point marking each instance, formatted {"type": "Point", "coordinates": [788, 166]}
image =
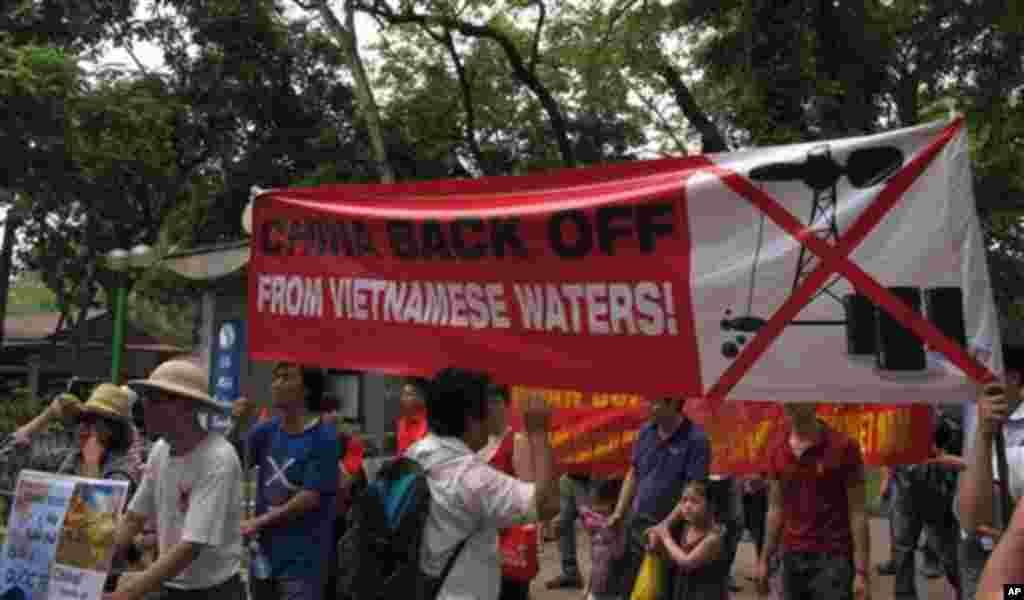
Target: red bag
{"type": "Point", "coordinates": [519, 552]}
{"type": "Point", "coordinates": [350, 468]}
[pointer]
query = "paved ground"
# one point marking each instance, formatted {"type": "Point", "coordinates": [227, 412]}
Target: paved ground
{"type": "Point", "coordinates": [936, 589]}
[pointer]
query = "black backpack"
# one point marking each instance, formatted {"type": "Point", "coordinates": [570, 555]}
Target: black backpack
{"type": "Point", "coordinates": [379, 556]}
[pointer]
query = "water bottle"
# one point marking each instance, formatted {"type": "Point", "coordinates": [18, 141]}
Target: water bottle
{"type": "Point", "coordinates": [259, 566]}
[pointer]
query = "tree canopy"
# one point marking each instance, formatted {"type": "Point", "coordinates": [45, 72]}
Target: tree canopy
{"type": "Point", "coordinates": [289, 92]}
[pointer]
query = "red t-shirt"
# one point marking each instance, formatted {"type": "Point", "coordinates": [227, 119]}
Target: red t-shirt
{"type": "Point", "coordinates": [814, 492]}
{"type": "Point", "coordinates": [411, 429]}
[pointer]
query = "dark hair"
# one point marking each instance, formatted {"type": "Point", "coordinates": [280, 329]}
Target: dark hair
{"type": "Point", "coordinates": [701, 487]}
{"type": "Point", "coordinates": [454, 395]}
{"type": "Point", "coordinates": [608, 490]}
{"type": "Point", "coordinates": [421, 384]}
{"type": "Point", "coordinates": [313, 382]}
{"type": "Point", "coordinates": [500, 390]}
{"type": "Point", "coordinates": [678, 401]}
{"type": "Point", "coordinates": [121, 436]}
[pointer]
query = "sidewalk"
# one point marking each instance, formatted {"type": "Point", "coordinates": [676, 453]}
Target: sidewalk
{"type": "Point", "coordinates": [881, 587]}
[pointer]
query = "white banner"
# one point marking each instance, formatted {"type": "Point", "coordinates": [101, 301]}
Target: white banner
{"type": "Point", "coordinates": [927, 241]}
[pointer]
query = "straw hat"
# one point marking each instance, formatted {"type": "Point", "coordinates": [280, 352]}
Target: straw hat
{"type": "Point", "coordinates": [110, 401]}
{"type": "Point", "coordinates": [182, 378]}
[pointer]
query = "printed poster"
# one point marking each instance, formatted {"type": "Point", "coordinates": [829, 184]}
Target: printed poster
{"type": "Point", "coordinates": [60, 537]}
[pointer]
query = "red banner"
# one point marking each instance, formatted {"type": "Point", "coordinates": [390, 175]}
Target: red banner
{"type": "Point", "coordinates": [594, 433]}
{"type": "Point", "coordinates": [591, 274]}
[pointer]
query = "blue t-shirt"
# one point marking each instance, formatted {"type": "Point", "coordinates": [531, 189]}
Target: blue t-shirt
{"type": "Point", "coordinates": [661, 468]}
{"type": "Point", "coordinates": [289, 464]}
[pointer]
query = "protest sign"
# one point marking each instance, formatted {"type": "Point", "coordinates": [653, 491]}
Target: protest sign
{"type": "Point", "coordinates": [848, 271]}
{"type": "Point", "coordinates": [60, 537]}
{"type": "Point", "coordinates": [594, 433]}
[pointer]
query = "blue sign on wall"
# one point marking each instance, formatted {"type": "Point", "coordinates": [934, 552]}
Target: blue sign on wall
{"type": "Point", "coordinates": [226, 358]}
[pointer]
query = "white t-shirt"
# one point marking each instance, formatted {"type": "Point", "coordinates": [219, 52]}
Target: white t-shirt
{"type": "Point", "coordinates": [1015, 465]}
{"type": "Point", "coordinates": [196, 498]}
{"type": "Point", "coordinates": [468, 498]}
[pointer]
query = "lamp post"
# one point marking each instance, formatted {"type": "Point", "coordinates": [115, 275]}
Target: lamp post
{"type": "Point", "coordinates": [122, 261]}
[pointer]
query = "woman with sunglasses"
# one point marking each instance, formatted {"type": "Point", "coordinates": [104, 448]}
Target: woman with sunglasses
{"type": "Point", "coordinates": [108, 447]}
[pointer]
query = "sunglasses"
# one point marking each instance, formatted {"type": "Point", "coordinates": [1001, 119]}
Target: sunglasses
{"type": "Point", "coordinates": [89, 421]}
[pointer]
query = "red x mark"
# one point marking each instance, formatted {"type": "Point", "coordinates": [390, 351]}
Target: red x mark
{"type": "Point", "coordinates": [835, 259]}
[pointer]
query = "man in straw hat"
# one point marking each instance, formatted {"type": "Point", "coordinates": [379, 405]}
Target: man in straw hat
{"type": "Point", "coordinates": [193, 489]}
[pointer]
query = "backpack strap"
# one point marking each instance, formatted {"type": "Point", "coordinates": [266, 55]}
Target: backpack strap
{"type": "Point", "coordinates": [451, 562]}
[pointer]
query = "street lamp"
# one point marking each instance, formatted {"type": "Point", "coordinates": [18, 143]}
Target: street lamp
{"type": "Point", "coordinates": [122, 261]}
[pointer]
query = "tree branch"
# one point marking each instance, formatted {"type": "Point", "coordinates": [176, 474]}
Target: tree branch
{"type": "Point", "coordinates": [536, 35]}
{"type": "Point", "coordinates": [346, 36]}
{"type": "Point", "coordinates": [711, 138]}
{"type": "Point", "coordinates": [665, 125]}
{"type": "Point", "coordinates": [467, 101]}
{"type": "Point", "coordinates": [515, 60]}
{"type": "Point", "coordinates": [613, 18]}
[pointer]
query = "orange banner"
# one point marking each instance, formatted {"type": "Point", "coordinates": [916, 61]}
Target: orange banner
{"type": "Point", "coordinates": [594, 433]}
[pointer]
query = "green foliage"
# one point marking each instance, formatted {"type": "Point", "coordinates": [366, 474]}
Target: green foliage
{"type": "Point", "coordinates": [18, 407]}
{"type": "Point", "coordinates": [253, 94]}
{"type": "Point", "coordinates": [28, 294]}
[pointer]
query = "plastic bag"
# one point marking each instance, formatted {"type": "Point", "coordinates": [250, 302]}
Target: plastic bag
{"type": "Point", "coordinates": [519, 552]}
{"type": "Point", "coordinates": [650, 580]}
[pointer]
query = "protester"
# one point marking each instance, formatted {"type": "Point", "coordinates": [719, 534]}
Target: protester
{"type": "Point", "coordinates": [297, 455]}
{"type": "Point", "coordinates": [572, 488]}
{"type": "Point", "coordinates": [905, 482]}
{"type": "Point", "coordinates": [470, 500]}
{"type": "Point", "coordinates": [669, 452]}
{"type": "Point", "coordinates": [193, 488]}
{"type": "Point", "coordinates": [725, 504]}
{"type": "Point", "coordinates": [108, 445]}
{"type": "Point", "coordinates": [700, 556]}
{"type": "Point", "coordinates": [816, 505]}
{"type": "Point", "coordinates": [921, 505]}
{"type": "Point", "coordinates": [351, 482]}
{"type": "Point", "coordinates": [978, 487]}
{"type": "Point", "coordinates": [755, 508]}
{"type": "Point", "coordinates": [412, 422]}
{"type": "Point", "coordinates": [607, 542]}
{"type": "Point", "coordinates": [499, 453]}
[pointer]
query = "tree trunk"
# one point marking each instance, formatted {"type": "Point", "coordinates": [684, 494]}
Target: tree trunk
{"type": "Point", "coordinates": [346, 36]}
{"type": "Point", "coordinates": [6, 252]}
{"type": "Point", "coordinates": [711, 138]}
{"type": "Point", "coordinates": [85, 297]}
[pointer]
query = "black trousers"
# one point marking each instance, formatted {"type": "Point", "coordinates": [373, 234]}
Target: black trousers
{"type": "Point", "coordinates": [755, 511]}
{"type": "Point", "coordinates": [816, 576]}
{"type": "Point", "coordinates": [512, 589]}
{"type": "Point", "coordinates": [331, 580]}
{"type": "Point", "coordinates": [907, 520]}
